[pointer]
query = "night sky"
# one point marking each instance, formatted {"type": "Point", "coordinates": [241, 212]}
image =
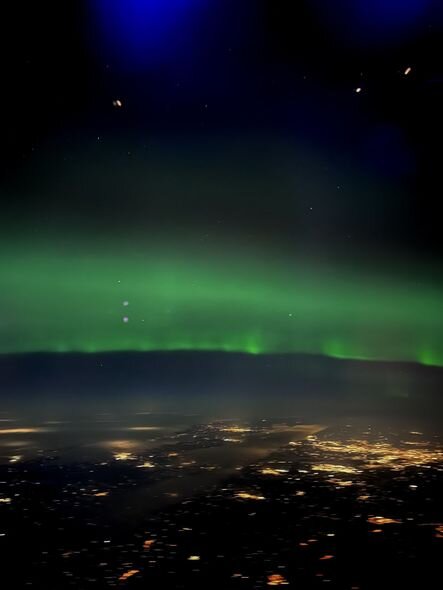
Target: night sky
{"type": "Point", "coordinates": [250, 177]}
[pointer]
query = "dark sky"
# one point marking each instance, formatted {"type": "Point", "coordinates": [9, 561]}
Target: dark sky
{"type": "Point", "coordinates": [250, 69]}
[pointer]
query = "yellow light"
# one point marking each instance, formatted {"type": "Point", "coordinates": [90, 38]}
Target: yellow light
{"type": "Point", "coordinates": [277, 580]}
{"type": "Point", "coordinates": [128, 574]}
{"type": "Point", "coordinates": [270, 471]}
{"type": "Point", "coordinates": [380, 520]}
{"type": "Point", "coordinates": [148, 543]}
{"type": "Point", "coordinates": [20, 430]}
{"type": "Point", "coordinates": [125, 456]}
{"type": "Point", "coordinates": [332, 468]}
{"type": "Point", "coordinates": [247, 496]}
{"type": "Point", "coordinates": [381, 454]}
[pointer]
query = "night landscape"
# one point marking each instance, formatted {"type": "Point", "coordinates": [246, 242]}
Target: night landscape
{"type": "Point", "coordinates": [221, 270]}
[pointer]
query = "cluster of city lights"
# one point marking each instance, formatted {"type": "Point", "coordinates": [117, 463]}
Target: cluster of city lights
{"type": "Point", "coordinates": [379, 454]}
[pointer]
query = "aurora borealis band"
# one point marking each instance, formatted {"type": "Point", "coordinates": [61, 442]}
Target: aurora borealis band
{"type": "Point", "coordinates": [166, 300]}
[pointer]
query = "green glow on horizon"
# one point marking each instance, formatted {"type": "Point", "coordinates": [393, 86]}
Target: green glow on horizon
{"type": "Point", "coordinates": [429, 358]}
{"type": "Point", "coordinates": [64, 302]}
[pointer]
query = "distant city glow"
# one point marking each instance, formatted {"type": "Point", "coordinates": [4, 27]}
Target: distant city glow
{"type": "Point", "coordinates": [378, 454]}
{"type": "Point", "coordinates": [20, 430]}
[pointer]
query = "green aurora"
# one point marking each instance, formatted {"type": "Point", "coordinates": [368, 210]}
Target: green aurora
{"type": "Point", "coordinates": [57, 301]}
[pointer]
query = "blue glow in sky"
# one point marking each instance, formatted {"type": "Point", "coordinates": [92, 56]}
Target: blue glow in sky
{"type": "Point", "coordinates": [391, 13]}
{"type": "Point", "coordinates": [141, 33]}
{"type": "Point", "coordinates": [375, 21]}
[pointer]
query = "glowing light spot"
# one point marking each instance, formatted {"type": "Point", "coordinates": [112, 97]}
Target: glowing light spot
{"type": "Point", "coordinates": [270, 471]}
{"type": "Point", "coordinates": [276, 580]}
{"type": "Point", "coordinates": [380, 520]}
{"type": "Point", "coordinates": [331, 468]}
{"type": "Point", "coordinates": [248, 496]}
{"type": "Point", "coordinates": [128, 575]}
{"type": "Point", "coordinates": [148, 544]}
{"type": "Point", "coordinates": [124, 456]}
